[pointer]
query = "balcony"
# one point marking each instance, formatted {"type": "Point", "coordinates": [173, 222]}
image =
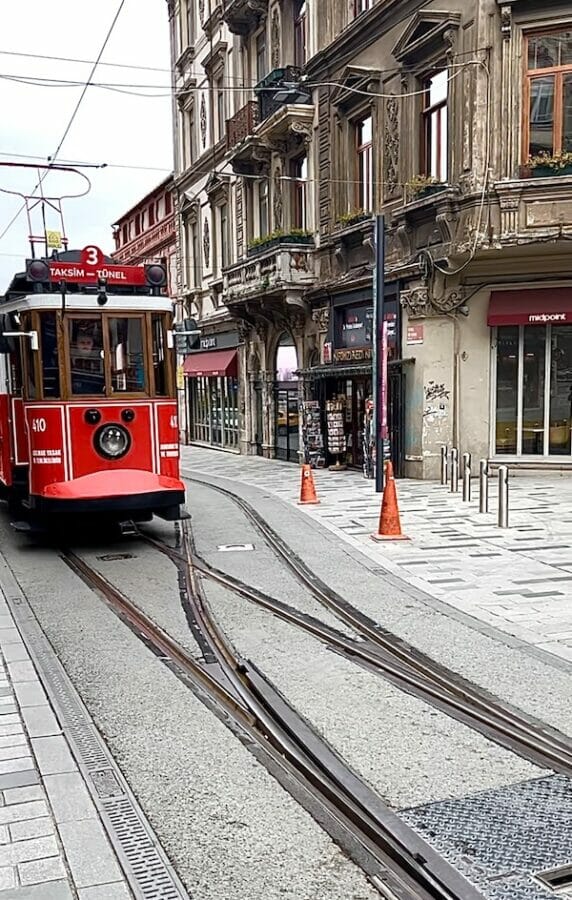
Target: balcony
{"type": "Point", "coordinates": [286, 82]}
{"type": "Point", "coordinates": [533, 209]}
{"type": "Point", "coordinates": [243, 16]}
{"type": "Point", "coordinates": [242, 124]}
{"type": "Point", "coordinates": [284, 271]}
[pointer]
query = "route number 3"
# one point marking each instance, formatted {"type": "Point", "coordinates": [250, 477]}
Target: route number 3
{"type": "Point", "coordinates": [91, 256]}
{"type": "Point", "coordinates": [39, 425]}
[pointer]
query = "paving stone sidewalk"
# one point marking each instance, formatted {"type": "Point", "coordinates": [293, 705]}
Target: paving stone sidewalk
{"type": "Point", "coordinates": [52, 843]}
{"type": "Point", "coordinates": [517, 580]}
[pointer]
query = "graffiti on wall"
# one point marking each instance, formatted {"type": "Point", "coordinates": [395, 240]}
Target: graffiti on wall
{"type": "Point", "coordinates": [436, 405]}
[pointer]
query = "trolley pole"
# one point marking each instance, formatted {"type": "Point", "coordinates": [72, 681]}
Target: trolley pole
{"type": "Point", "coordinates": [379, 354]}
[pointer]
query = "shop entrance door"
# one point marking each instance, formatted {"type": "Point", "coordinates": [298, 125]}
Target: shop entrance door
{"type": "Point", "coordinates": [258, 426]}
{"type": "Point", "coordinates": [287, 440]}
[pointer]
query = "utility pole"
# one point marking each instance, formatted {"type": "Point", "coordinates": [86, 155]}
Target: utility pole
{"type": "Point", "coordinates": [379, 354]}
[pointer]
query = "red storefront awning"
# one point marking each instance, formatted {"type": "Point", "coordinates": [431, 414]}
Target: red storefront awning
{"type": "Point", "coordinates": [548, 306]}
{"type": "Point", "coordinates": [217, 362]}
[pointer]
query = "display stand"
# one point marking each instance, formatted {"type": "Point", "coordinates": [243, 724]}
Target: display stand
{"type": "Point", "coordinates": [312, 439]}
{"type": "Point", "coordinates": [336, 433]}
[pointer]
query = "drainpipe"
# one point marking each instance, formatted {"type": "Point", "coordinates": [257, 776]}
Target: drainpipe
{"type": "Point", "coordinates": [456, 379]}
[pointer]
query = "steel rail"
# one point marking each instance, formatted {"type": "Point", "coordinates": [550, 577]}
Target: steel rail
{"type": "Point", "coordinates": [512, 729]}
{"type": "Point", "coordinates": [411, 869]}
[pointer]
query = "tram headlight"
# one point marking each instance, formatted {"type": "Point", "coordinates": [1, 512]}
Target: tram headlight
{"type": "Point", "coordinates": [112, 441]}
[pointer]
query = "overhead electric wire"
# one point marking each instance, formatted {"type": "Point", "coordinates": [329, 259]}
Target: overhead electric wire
{"type": "Point", "coordinates": [54, 155]}
{"type": "Point", "coordinates": [72, 59]}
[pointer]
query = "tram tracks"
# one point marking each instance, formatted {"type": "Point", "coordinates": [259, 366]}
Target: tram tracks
{"type": "Point", "coordinates": [401, 865]}
{"type": "Point", "coordinates": [387, 655]}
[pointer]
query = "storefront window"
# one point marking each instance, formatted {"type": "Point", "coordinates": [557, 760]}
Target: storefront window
{"type": "Point", "coordinates": [534, 390]}
{"type": "Point", "coordinates": [214, 411]}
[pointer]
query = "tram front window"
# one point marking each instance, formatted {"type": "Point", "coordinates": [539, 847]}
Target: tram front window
{"type": "Point", "coordinates": [86, 354]}
{"type": "Point", "coordinates": [127, 355]}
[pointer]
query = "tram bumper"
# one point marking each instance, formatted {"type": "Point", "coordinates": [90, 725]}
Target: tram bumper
{"type": "Point", "coordinates": [125, 492]}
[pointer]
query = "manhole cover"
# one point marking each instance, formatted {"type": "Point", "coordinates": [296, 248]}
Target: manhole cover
{"type": "Point", "coordinates": [110, 557]}
{"type": "Point", "coordinates": [224, 548]}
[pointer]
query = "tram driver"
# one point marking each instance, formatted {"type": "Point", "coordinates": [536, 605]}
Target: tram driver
{"type": "Point", "coordinates": [86, 364]}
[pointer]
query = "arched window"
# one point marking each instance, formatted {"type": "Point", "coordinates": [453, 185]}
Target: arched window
{"type": "Point", "coordinates": [286, 359]}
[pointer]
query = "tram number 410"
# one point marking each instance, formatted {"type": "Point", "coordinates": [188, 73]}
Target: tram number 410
{"type": "Point", "coordinates": [39, 425]}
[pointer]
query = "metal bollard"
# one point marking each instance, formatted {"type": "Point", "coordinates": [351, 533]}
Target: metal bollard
{"type": "Point", "coordinates": [444, 452]}
{"type": "Point", "coordinates": [503, 497]}
{"type": "Point", "coordinates": [467, 477]}
{"type": "Point", "coordinates": [483, 486]}
{"type": "Point", "coordinates": [454, 470]}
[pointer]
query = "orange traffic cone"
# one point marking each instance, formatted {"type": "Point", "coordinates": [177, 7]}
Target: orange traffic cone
{"type": "Point", "coordinates": [389, 521]}
{"type": "Point", "coordinates": [307, 486]}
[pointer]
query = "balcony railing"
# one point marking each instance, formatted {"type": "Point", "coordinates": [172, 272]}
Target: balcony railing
{"type": "Point", "coordinates": [242, 124]}
{"type": "Point", "coordinates": [279, 268]}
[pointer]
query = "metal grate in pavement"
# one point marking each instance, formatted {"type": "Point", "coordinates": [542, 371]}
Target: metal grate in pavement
{"type": "Point", "coordinates": [146, 867]}
{"type": "Point", "coordinates": [503, 840]}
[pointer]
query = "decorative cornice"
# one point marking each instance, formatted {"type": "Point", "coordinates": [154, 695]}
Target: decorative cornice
{"type": "Point", "coordinates": [425, 35]}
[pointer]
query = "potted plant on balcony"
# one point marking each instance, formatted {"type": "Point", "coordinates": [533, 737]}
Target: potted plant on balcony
{"type": "Point", "coordinates": [277, 237]}
{"type": "Point", "coordinates": [548, 165]}
{"type": "Point", "coordinates": [352, 218]}
{"type": "Point", "coordinates": [422, 185]}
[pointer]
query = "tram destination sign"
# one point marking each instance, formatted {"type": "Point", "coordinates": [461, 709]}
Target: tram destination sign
{"type": "Point", "coordinates": [91, 267]}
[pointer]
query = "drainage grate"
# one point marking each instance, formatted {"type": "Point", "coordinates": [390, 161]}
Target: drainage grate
{"type": "Point", "coordinates": [146, 866]}
{"type": "Point", "coordinates": [557, 879]}
{"type": "Point", "coordinates": [224, 548]}
{"type": "Point", "coordinates": [110, 557]}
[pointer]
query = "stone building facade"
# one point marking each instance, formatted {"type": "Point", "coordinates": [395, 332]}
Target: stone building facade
{"type": "Point", "coordinates": [451, 119]}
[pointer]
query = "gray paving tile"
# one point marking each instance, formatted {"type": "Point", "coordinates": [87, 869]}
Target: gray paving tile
{"type": "Point", "coordinates": [53, 755]}
{"type": "Point", "coordinates": [23, 812]}
{"type": "Point", "coordinates": [17, 752]}
{"type": "Point", "coordinates": [19, 779]}
{"type": "Point", "coordinates": [116, 891]}
{"type": "Point", "coordinates": [8, 878]}
{"type": "Point", "coordinates": [23, 794]}
{"type": "Point", "coordinates": [31, 693]}
{"type": "Point", "coordinates": [9, 635]}
{"type": "Point", "coordinates": [41, 871]}
{"type": "Point", "coordinates": [69, 797]}
{"type": "Point", "coordinates": [16, 764]}
{"type": "Point", "coordinates": [40, 721]}
{"type": "Point", "coordinates": [9, 719]}
{"type": "Point", "coordinates": [26, 851]}
{"type": "Point", "coordinates": [8, 708]}
{"type": "Point", "coordinates": [15, 652]}
{"type": "Point", "coordinates": [31, 828]}
{"type": "Point", "coordinates": [6, 692]}
{"type": "Point", "coordinates": [22, 671]}
{"type": "Point", "coordinates": [88, 853]}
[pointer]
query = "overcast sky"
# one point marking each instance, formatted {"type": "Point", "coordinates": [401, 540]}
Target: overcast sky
{"type": "Point", "coordinates": [110, 127]}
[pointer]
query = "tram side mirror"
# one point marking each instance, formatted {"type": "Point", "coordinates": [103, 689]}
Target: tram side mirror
{"type": "Point", "coordinates": [170, 339]}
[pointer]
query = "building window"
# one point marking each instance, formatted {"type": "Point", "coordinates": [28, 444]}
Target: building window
{"type": "Point", "coordinates": [435, 126]}
{"type": "Point", "coordinates": [300, 34]}
{"type": "Point", "coordinates": [213, 412]}
{"type": "Point", "coordinates": [137, 224]}
{"type": "Point", "coordinates": [299, 172]}
{"type": "Point", "coordinates": [190, 22]}
{"type": "Point", "coordinates": [263, 207]}
{"type": "Point", "coordinates": [193, 256]}
{"type": "Point", "coordinates": [151, 214]}
{"type": "Point", "coordinates": [261, 61]}
{"type": "Point", "coordinates": [220, 108]}
{"type": "Point", "coordinates": [189, 144]}
{"type": "Point", "coordinates": [361, 6]}
{"type": "Point", "coordinates": [124, 235]}
{"type": "Point", "coordinates": [224, 235]}
{"type": "Point", "coordinates": [168, 206]}
{"type": "Point", "coordinates": [549, 93]}
{"type": "Point", "coordinates": [364, 150]}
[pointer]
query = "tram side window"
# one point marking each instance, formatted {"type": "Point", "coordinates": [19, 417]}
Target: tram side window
{"type": "Point", "coordinates": [31, 388]}
{"type": "Point", "coordinates": [127, 355]}
{"type": "Point", "coordinates": [50, 359]}
{"type": "Point", "coordinates": [86, 355]}
{"type": "Point", "coordinates": [159, 356]}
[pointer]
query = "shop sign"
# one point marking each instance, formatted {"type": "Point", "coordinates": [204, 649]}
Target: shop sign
{"type": "Point", "coordinates": [222, 340]}
{"type": "Point", "coordinates": [180, 378]}
{"type": "Point", "coordinates": [327, 352]}
{"type": "Point", "coordinates": [415, 334]}
{"type": "Point", "coordinates": [209, 343]}
{"type": "Point", "coordinates": [352, 355]}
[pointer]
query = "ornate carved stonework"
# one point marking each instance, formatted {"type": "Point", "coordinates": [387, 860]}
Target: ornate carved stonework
{"type": "Point", "coordinates": [275, 38]}
{"type": "Point", "coordinates": [321, 317]}
{"type": "Point", "coordinates": [277, 202]}
{"type": "Point", "coordinates": [202, 11]}
{"type": "Point", "coordinates": [302, 129]}
{"type": "Point", "coordinates": [297, 322]}
{"type": "Point", "coordinates": [203, 120]}
{"type": "Point", "coordinates": [450, 301]}
{"type": "Point", "coordinates": [416, 302]}
{"type": "Point", "coordinates": [206, 243]}
{"type": "Point", "coordinates": [391, 148]}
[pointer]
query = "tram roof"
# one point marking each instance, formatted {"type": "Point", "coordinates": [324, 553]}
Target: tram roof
{"type": "Point", "coordinates": [87, 302]}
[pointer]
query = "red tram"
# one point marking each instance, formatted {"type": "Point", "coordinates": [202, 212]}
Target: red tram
{"type": "Point", "coordinates": [88, 415]}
